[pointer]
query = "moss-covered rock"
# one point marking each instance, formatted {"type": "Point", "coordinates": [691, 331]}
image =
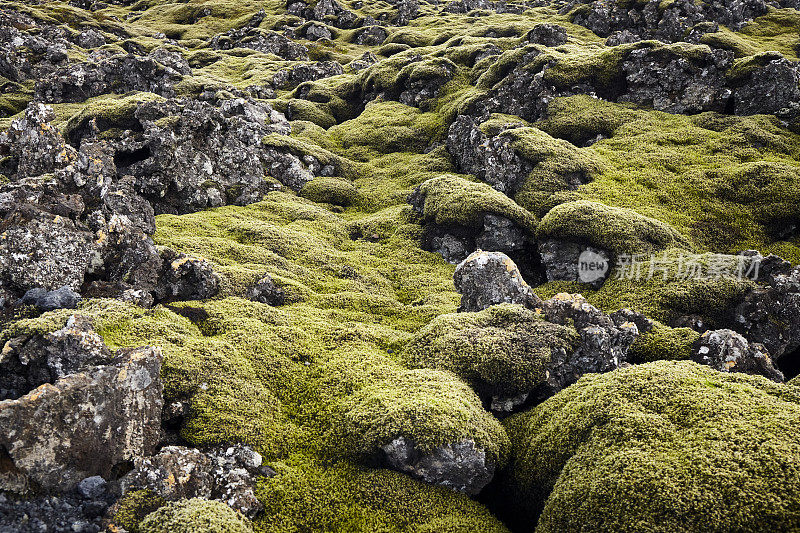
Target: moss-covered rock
{"type": "Point", "coordinates": [330, 191]}
{"type": "Point", "coordinates": [191, 516]}
{"type": "Point", "coordinates": [501, 351]}
{"type": "Point", "coordinates": [662, 446]}
{"type": "Point", "coordinates": [621, 231]}
{"type": "Point", "coordinates": [451, 200]}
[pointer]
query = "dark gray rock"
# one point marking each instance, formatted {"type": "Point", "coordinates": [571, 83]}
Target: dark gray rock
{"type": "Point", "coordinates": [666, 81]}
{"type": "Point", "coordinates": [294, 76]}
{"type": "Point", "coordinates": [27, 362]}
{"type": "Point", "coordinates": [315, 32]}
{"type": "Point", "coordinates": [773, 88]}
{"type": "Point", "coordinates": [572, 261]}
{"type": "Point", "coordinates": [43, 300]}
{"type": "Point", "coordinates": [92, 487]}
{"type": "Point", "coordinates": [727, 351]}
{"type": "Point", "coordinates": [490, 278]}
{"type": "Point", "coordinates": [461, 466]}
{"type": "Point", "coordinates": [268, 42]}
{"type": "Point", "coordinates": [371, 36]}
{"type": "Point", "coordinates": [265, 291]}
{"type": "Point", "coordinates": [604, 344]}
{"type": "Point", "coordinates": [185, 278]}
{"type": "Point", "coordinates": [492, 159]}
{"type": "Point", "coordinates": [157, 73]}
{"type": "Point", "coordinates": [547, 35]}
{"type": "Point", "coordinates": [199, 155]}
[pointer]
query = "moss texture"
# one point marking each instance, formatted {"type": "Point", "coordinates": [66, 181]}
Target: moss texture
{"type": "Point", "coordinates": [668, 446]}
{"type": "Point", "coordinates": [134, 507]}
{"type": "Point", "coordinates": [191, 516]}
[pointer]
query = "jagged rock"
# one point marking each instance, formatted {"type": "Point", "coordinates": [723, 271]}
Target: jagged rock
{"type": "Point", "coordinates": [422, 83]}
{"type": "Point", "coordinates": [727, 351]}
{"type": "Point", "coordinates": [768, 313]}
{"type": "Point", "coordinates": [668, 23]}
{"type": "Point", "coordinates": [643, 324]}
{"type": "Point", "coordinates": [265, 291]}
{"type": "Point", "coordinates": [547, 35]}
{"type": "Point", "coordinates": [315, 32]}
{"type": "Point", "coordinates": [203, 156]}
{"type": "Point", "coordinates": [268, 42]}
{"type": "Point", "coordinates": [185, 278]}
{"type": "Point", "coordinates": [33, 146]}
{"type": "Point", "coordinates": [43, 300]}
{"type": "Point", "coordinates": [460, 466]}
{"type": "Point", "coordinates": [604, 343]}
{"type": "Point", "coordinates": [667, 81]}
{"type": "Point", "coordinates": [572, 261]}
{"type": "Point", "coordinates": [38, 249]}
{"type": "Point", "coordinates": [226, 473]}
{"type": "Point", "coordinates": [92, 487]}
{"type": "Point", "coordinates": [489, 278]}
{"type": "Point", "coordinates": [157, 73]}
{"type": "Point", "coordinates": [366, 60]}
{"type": "Point", "coordinates": [465, 6]}
{"type": "Point", "coordinates": [770, 89]}
{"type": "Point", "coordinates": [294, 76]}
{"type": "Point", "coordinates": [27, 362]}
{"type": "Point", "coordinates": [371, 36]}
{"type": "Point", "coordinates": [492, 159]}
{"type": "Point", "coordinates": [86, 423]}
{"type": "Point", "coordinates": [501, 235]}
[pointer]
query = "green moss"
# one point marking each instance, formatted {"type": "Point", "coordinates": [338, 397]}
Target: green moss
{"type": "Point", "coordinates": [331, 191]}
{"type": "Point", "coordinates": [386, 127]}
{"type": "Point", "coordinates": [664, 343]}
{"type": "Point", "coordinates": [503, 350]}
{"type": "Point", "coordinates": [341, 497]}
{"type": "Point", "coordinates": [658, 447]}
{"type": "Point", "coordinates": [452, 200]}
{"type": "Point", "coordinates": [134, 507]}
{"type": "Point", "coordinates": [621, 231]}
{"type": "Point", "coordinates": [197, 514]}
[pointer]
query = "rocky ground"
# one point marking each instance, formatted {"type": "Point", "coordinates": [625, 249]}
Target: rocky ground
{"type": "Point", "coordinates": [399, 266]}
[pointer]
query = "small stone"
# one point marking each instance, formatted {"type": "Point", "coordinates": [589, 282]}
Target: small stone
{"type": "Point", "coordinates": [92, 487]}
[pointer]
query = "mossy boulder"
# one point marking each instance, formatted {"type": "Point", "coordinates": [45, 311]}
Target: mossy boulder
{"type": "Point", "coordinates": [615, 229]}
{"type": "Point", "coordinates": [501, 351]}
{"type": "Point", "coordinates": [192, 516]}
{"type": "Point", "coordinates": [334, 191]}
{"type": "Point", "coordinates": [451, 200]}
{"type": "Point", "coordinates": [431, 408]}
{"type": "Point", "coordinates": [665, 446]}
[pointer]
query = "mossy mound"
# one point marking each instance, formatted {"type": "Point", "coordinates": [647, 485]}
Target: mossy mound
{"type": "Point", "coordinates": [341, 497]}
{"type": "Point", "coordinates": [192, 516]}
{"type": "Point", "coordinates": [429, 407]}
{"type": "Point", "coordinates": [452, 200]}
{"type": "Point", "coordinates": [666, 446]}
{"type": "Point", "coordinates": [330, 191]}
{"type": "Point", "coordinates": [621, 231]}
{"type": "Point", "coordinates": [503, 350]}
